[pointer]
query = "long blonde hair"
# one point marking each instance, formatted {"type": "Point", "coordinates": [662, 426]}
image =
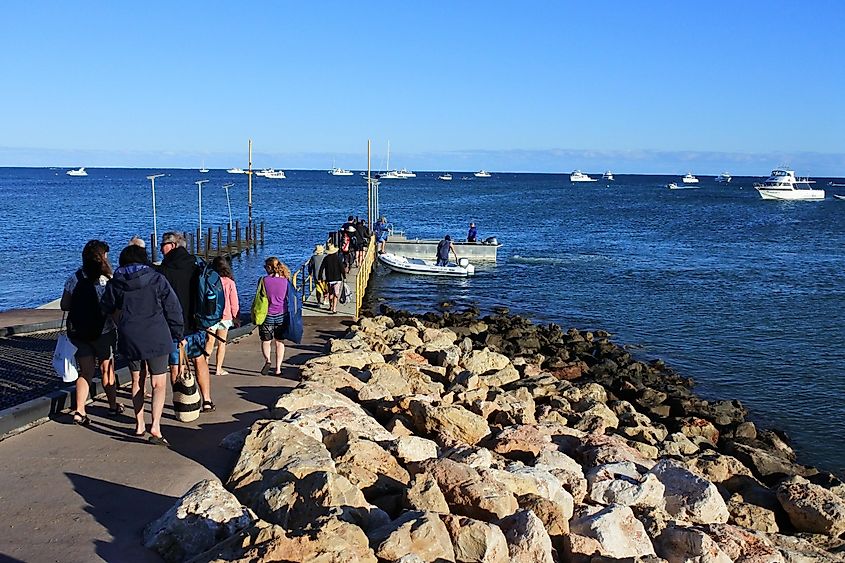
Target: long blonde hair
{"type": "Point", "coordinates": [277, 268]}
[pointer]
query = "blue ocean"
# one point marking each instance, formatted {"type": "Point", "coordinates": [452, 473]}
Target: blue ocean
{"type": "Point", "coordinates": [745, 296]}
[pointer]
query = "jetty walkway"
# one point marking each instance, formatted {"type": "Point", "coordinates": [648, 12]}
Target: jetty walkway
{"type": "Point", "coordinates": [73, 493]}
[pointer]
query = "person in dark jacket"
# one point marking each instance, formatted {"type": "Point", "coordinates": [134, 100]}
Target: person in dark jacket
{"type": "Point", "coordinates": [149, 319]}
{"type": "Point", "coordinates": [332, 271]}
{"type": "Point", "coordinates": [180, 269]}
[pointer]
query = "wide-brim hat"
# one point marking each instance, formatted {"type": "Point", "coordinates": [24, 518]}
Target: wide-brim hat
{"type": "Point", "coordinates": [331, 249]}
{"type": "Point", "coordinates": [319, 249]}
{"type": "Point", "coordinates": [350, 229]}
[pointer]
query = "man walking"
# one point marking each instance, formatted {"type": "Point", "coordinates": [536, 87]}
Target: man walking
{"type": "Point", "coordinates": [179, 267]}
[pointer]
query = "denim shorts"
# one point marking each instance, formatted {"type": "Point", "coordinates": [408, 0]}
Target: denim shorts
{"type": "Point", "coordinates": [194, 347]}
{"type": "Point", "coordinates": [222, 325]}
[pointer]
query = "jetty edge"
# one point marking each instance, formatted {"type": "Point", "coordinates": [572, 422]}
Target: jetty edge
{"type": "Point", "coordinates": [449, 437]}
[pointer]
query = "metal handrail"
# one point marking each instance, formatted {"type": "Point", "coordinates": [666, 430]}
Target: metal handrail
{"type": "Point", "coordinates": [362, 278]}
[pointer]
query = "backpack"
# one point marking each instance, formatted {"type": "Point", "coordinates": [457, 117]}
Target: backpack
{"type": "Point", "coordinates": [210, 299]}
{"type": "Point", "coordinates": [345, 241]}
{"type": "Point", "coordinates": [85, 320]}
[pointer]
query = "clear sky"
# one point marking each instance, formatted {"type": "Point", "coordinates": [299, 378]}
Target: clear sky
{"type": "Point", "coordinates": [544, 86]}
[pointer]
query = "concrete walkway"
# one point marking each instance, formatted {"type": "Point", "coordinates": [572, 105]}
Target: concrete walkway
{"type": "Point", "coordinates": [71, 493]}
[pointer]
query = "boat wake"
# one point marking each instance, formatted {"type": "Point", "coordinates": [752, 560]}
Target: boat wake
{"type": "Point", "coordinates": [544, 260]}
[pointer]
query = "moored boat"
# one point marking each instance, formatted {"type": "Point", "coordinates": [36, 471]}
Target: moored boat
{"type": "Point", "coordinates": [689, 178]}
{"type": "Point", "coordinates": [578, 176]}
{"type": "Point", "coordinates": [421, 267]}
{"type": "Point", "coordinates": [274, 174]}
{"type": "Point", "coordinates": [607, 176]}
{"type": "Point", "coordinates": [447, 177]}
{"type": "Point", "coordinates": [674, 186]}
{"type": "Point", "coordinates": [784, 185]}
{"type": "Point", "coordinates": [236, 171]}
{"type": "Point", "coordinates": [482, 174]}
{"type": "Point", "coordinates": [340, 172]}
{"type": "Point", "coordinates": [723, 178]}
{"type": "Point", "coordinates": [77, 172]}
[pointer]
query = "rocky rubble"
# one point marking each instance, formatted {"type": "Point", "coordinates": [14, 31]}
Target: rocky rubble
{"type": "Point", "coordinates": [446, 437]}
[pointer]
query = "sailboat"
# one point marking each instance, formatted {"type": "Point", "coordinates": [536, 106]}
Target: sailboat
{"type": "Point", "coordinates": [203, 170]}
{"type": "Point", "coordinates": [335, 171]}
{"type": "Point", "coordinates": [394, 174]}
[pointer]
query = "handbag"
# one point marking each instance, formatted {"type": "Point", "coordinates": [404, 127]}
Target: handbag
{"type": "Point", "coordinates": [64, 358]}
{"type": "Point", "coordinates": [260, 304]}
{"type": "Point", "coordinates": [186, 394]}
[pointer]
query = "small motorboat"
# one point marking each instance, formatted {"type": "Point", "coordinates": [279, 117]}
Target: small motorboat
{"type": "Point", "coordinates": [482, 174]}
{"type": "Point", "coordinates": [421, 267]}
{"type": "Point", "coordinates": [77, 172]}
{"type": "Point", "coordinates": [445, 177]}
{"type": "Point", "coordinates": [236, 171]}
{"type": "Point", "coordinates": [839, 196]}
{"type": "Point", "coordinates": [674, 186]}
{"type": "Point", "coordinates": [689, 178]}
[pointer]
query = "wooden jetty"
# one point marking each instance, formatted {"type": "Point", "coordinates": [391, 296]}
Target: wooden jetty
{"type": "Point", "coordinates": [220, 241]}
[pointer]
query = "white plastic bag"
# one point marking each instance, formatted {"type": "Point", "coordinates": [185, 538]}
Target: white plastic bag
{"type": "Point", "coordinates": [64, 359]}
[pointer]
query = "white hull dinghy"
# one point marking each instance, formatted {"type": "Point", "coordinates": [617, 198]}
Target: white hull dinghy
{"type": "Point", "coordinates": [839, 196]}
{"type": "Point", "coordinates": [421, 267]}
{"type": "Point", "coordinates": [674, 186]}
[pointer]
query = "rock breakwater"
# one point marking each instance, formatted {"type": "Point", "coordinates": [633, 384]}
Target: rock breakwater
{"type": "Point", "coordinates": [449, 437]}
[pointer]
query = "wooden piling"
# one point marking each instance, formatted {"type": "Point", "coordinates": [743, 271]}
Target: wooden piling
{"type": "Point", "coordinates": [208, 244]}
{"type": "Point", "coordinates": [262, 233]}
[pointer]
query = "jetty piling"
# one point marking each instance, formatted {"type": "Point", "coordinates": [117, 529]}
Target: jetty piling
{"type": "Point", "coordinates": [207, 248]}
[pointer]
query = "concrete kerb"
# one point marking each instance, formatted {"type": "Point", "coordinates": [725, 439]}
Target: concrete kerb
{"type": "Point", "coordinates": [20, 418]}
{"type": "Point", "coordinates": [18, 330]}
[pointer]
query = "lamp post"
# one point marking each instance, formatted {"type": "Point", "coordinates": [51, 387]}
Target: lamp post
{"type": "Point", "coordinates": [199, 184]}
{"type": "Point", "coordinates": [152, 180]}
{"type": "Point", "coordinates": [228, 202]}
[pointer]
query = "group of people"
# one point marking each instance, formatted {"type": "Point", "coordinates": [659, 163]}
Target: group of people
{"type": "Point", "coordinates": [149, 315]}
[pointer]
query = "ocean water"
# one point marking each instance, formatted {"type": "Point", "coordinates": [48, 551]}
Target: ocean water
{"type": "Point", "coordinates": [744, 295]}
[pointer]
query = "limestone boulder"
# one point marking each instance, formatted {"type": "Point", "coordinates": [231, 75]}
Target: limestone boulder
{"type": "Point", "coordinates": [522, 441]}
{"type": "Point", "coordinates": [767, 464]}
{"type": "Point", "coordinates": [622, 483]}
{"type": "Point", "coordinates": [567, 471]}
{"type": "Point", "coordinates": [452, 423]}
{"type": "Point", "coordinates": [476, 541]}
{"type": "Point", "coordinates": [332, 377]}
{"type": "Point", "coordinates": [751, 516]}
{"type": "Point", "coordinates": [467, 492]}
{"type": "Point", "coordinates": [743, 545]}
{"type": "Point", "coordinates": [523, 479]}
{"type": "Point", "coordinates": [716, 467]}
{"type": "Point", "coordinates": [699, 429]}
{"type": "Point", "coordinates": [278, 452]}
{"type": "Point", "coordinates": [615, 528]}
{"type": "Point", "coordinates": [812, 508]}
{"type": "Point", "coordinates": [358, 358]}
{"type": "Point", "coordinates": [678, 445]}
{"type": "Point", "coordinates": [368, 466]}
{"type": "Point", "coordinates": [639, 427]}
{"type": "Point", "coordinates": [234, 442]}
{"type": "Point", "coordinates": [422, 534]}
{"type": "Point", "coordinates": [320, 421]}
{"type": "Point", "coordinates": [598, 449]}
{"type": "Point", "coordinates": [688, 496]}
{"type": "Point", "coordinates": [682, 544]}
{"type": "Point", "coordinates": [594, 416]}
{"type": "Point", "coordinates": [474, 456]}
{"type": "Point", "coordinates": [323, 494]}
{"type": "Point", "coordinates": [438, 337]}
{"type": "Point", "coordinates": [424, 494]}
{"type": "Point", "coordinates": [204, 516]}
{"type": "Point", "coordinates": [485, 361]}
{"type": "Point", "coordinates": [413, 448]}
{"type": "Point", "coordinates": [551, 514]}
{"type": "Point", "coordinates": [528, 541]}
{"type": "Point", "coordinates": [383, 381]}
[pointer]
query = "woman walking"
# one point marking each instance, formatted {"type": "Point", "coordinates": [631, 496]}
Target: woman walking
{"type": "Point", "coordinates": [89, 330]}
{"type": "Point", "coordinates": [230, 314]}
{"type": "Point", "coordinates": [333, 272]}
{"type": "Point", "coordinates": [149, 319]}
{"type": "Point", "coordinates": [277, 285]}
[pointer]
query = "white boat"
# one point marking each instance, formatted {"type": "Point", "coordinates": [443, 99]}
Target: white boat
{"type": "Point", "coordinates": [78, 172]}
{"type": "Point", "coordinates": [445, 177]}
{"type": "Point", "coordinates": [783, 185]}
{"type": "Point", "coordinates": [578, 176]}
{"type": "Point", "coordinates": [405, 173]}
{"type": "Point", "coordinates": [607, 176]}
{"type": "Point", "coordinates": [273, 174]}
{"type": "Point", "coordinates": [236, 171]}
{"type": "Point", "coordinates": [389, 174]}
{"type": "Point", "coordinates": [723, 178]}
{"type": "Point", "coordinates": [674, 186]}
{"type": "Point", "coordinates": [340, 172]}
{"type": "Point", "coordinates": [689, 178]}
{"type": "Point", "coordinates": [482, 174]}
{"type": "Point", "coordinates": [203, 170]}
{"type": "Point", "coordinates": [422, 267]}
{"type": "Point", "coordinates": [839, 196]}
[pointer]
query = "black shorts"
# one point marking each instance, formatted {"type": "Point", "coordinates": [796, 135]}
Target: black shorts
{"type": "Point", "coordinates": [155, 366]}
{"type": "Point", "coordinates": [102, 348]}
{"type": "Point", "coordinates": [274, 327]}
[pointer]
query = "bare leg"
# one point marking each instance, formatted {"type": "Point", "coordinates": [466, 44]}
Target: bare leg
{"type": "Point", "coordinates": [159, 392]}
{"type": "Point", "coordinates": [138, 385]}
{"type": "Point", "coordinates": [109, 382]}
{"type": "Point", "coordinates": [209, 345]}
{"type": "Point", "coordinates": [265, 350]}
{"type": "Point", "coordinates": [280, 355]}
{"type": "Point", "coordinates": [203, 378]}
{"type": "Point", "coordinates": [222, 333]}
{"type": "Point", "coordinates": [83, 382]}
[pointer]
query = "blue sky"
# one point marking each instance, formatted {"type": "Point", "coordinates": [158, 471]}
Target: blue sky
{"type": "Point", "coordinates": [660, 87]}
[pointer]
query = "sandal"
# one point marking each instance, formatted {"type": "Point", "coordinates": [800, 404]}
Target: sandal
{"type": "Point", "coordinates": [80, 419]}
{"type": "Point", "coordinates": [267, 368]}
{"type": "Point", "coordinates": [222, 372]}
{"type": "Point", "coordinates": [208, 406]}
{"type": "Point", "coordinates": [117, 411]}
{"type": "Point", "coordinates": [158, 441]}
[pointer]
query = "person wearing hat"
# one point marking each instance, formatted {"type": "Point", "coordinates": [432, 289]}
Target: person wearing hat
{"type": "Point", "coordinates": [331, 270]}
{"type": "Point", "coordinates": [320, 286]}
{"type": "Point", "coordinates": [443, 249]}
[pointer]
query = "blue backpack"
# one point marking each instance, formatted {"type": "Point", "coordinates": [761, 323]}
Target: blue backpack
{"type": "Point", "coordinates": [210, 299]}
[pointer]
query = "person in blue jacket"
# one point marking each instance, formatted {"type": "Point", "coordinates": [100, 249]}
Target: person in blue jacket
{"type": "Point", "coordinates": [381, 230]}
{"type": "Point", "coordinates": [472, 234]}
{"type": "Point", "coordinates": [149, 318]}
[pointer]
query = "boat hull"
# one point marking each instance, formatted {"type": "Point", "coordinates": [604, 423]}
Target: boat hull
{"type": "Point", "coordinates": [420, 267]}
{"type": "Point", "coordinates": [425, 249]}
{"type": "Point", "coordinates": [791, 195]}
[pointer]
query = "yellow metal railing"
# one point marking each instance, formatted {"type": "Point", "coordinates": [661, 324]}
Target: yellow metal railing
{"type": "Point", "coordinates": [362, 279]}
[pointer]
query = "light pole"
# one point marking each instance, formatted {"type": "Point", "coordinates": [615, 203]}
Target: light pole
{"type": "Point", "coordinates": [229, 203]}
{"type": "Point", "coordinates": [152, 180]}
{"type": "Point", "coordinates": [199, 184]}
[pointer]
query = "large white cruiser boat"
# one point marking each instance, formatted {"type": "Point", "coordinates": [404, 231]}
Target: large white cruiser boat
{"type": "Point", "coordinates": [274, 174]}
{"type": "Point", "coordinates": [77, 172]}
{"type": "Point", "coordinates": [482, 174]}
{"type": "Point", "coordinates": [689, 179]}
{"type": "Point", "coordinates": [607, 176]}
{"type": "Point", "coordinates": [783, 185]}
{"type": "Point", "coordinates": [723, 178]}
{"type": "Point", "coordinates": [236, 171]}
{"type": "Point", "coordinates": [405, 173]}
{"type": "Point", "coordinates": [340, 172]}
{"type": "Point", "coordinates": [578, 176]}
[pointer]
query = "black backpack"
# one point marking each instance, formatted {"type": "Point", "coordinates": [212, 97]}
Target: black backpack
{"type": "Point", "coordinates": [85, 320]}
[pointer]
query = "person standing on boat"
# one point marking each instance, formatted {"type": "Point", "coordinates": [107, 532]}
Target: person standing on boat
{"type": "Point", "coordinates": [381, 231]}
{"type": "Point", "coordinates": [443, 248]}
{"type": "Point", "coordinates": [472, 235]}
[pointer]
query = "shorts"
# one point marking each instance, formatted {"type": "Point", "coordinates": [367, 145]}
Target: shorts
{"type": "Point", "coordinates": [102, 348]}
{"type": "Point", "coordinates": [274, 327]}
{"type": "Point", "coordinates": [155, 366]}
{"type": "Point", "coordinates": [222, 325]}
{"type": "Point", "coordinates": [194, 347]}
{"type": "Point", "coordinates": [335, 288]}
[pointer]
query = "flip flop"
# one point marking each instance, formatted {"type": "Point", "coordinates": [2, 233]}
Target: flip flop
{"type": "Point", "coordinates": [158, 441]}
{"type": "Point", "coordinates": [208, 406]}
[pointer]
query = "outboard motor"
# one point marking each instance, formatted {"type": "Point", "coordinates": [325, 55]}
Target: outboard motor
{"type": "Point", "coordinates": [491, 240]}
{"type": "Point", "coordinates": [463, 262]}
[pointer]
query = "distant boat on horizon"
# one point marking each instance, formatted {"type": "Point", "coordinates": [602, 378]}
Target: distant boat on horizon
{"type": "Point", "coordinates": [203, 170]}
{"type": "Point", "coordinates": [578, 176]}
{"type": "Point", "coordinates": [77, 172]}
{"type": "Point", "coordinates": [340, 172]}
{"type": "Point", "coordinates": [607, 176]}
{"type": "Point", "coordinates": [723, 178]}
{"type": "Point", "coordinates": [236, 171]}
{"type": "Point", "coordinates": [482, 174]}
{"type": "Point", "coordinates": [447, 177]}
{"type": "Point", "coordinates": [689, 178]}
